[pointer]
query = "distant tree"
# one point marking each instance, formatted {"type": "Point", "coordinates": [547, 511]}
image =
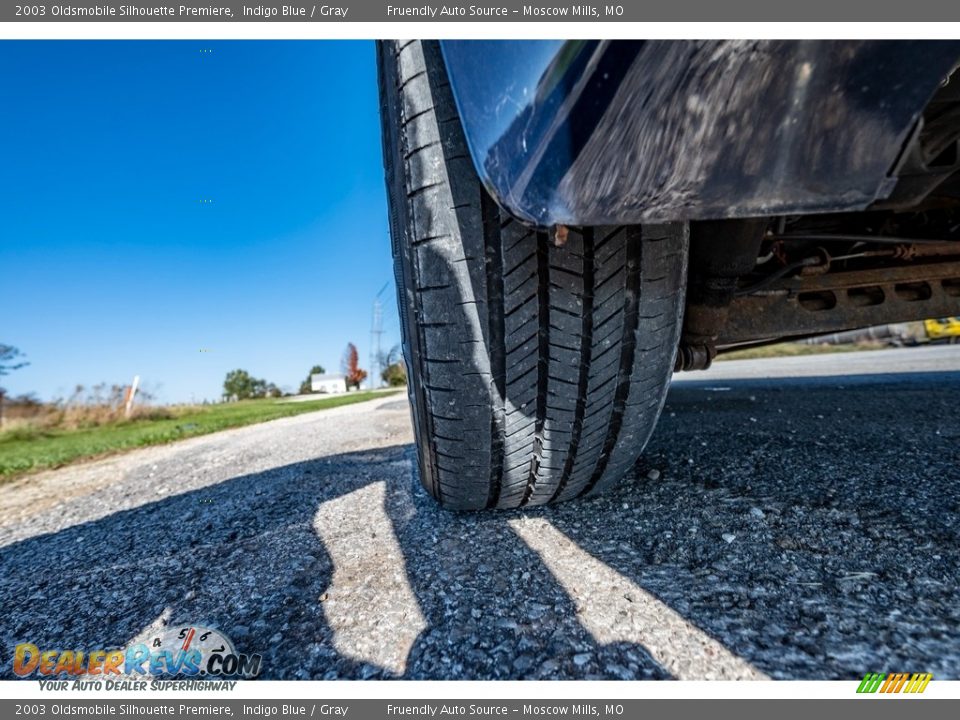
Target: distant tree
{"type": "Point", "coordinates": [394, 371]}
{"type": "Point", "coordinates": [395, 374]}
{"type": "Point", "coordinates": [271, 390]}
{"type": "Point", "coordinates": [389, 357]}
{"type": "Point", "coordinates": [306, 386]}
{"type": "Point", "coordinates": [238, 385]}
{"type": "Point", "coordinates": [351, 367]}
{"type": "Point", "coordinates": [9, 361]}
{"type": "Point", "coordinates": [241, 385]}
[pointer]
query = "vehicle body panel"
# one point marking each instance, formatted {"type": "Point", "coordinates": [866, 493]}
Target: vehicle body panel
{"type": "Point", "coordinates": [608, 132]}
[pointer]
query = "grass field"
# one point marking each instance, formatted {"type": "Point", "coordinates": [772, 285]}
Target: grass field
{"type": "Point", "coordinates": [27, 448]}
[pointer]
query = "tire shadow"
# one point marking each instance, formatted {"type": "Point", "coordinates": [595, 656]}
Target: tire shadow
{"type": "Point", "coordinates": [241, 556]}
{"type": "Point", "coordinates": [811, 526]}
{"type": "Point", "coordinates": [244, 556]}
{"type": "Point", "coordinates": [494, 610]}
{"type": "Point", "coordinates": [800, 527]}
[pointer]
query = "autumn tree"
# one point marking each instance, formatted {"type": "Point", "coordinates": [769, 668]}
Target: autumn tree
{"type": "Point", "coordinates": [306, 386]}
{"type": "Point", "coordinates": [351, 367]}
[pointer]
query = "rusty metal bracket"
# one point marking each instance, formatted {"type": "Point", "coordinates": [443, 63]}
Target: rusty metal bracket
{"type": "Point", "coordinates": [843, 301]}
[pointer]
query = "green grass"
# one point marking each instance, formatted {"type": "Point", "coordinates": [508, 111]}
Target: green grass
{"type": "Point", "coordinates": [25, 449]}
{"type": "Point", "coordinates": [796, 349]}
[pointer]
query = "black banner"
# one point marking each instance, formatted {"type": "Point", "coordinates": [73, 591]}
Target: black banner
{"type": "Point", "coordinates": [483, 11]}
{"type": "Point", "coordinates": [873, 707]}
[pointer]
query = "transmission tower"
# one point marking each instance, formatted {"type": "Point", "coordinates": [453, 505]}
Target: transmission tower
{"type": "Point", "coordinates": [376, 333]}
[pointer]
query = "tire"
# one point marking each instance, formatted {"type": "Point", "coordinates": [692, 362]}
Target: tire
{"type": "Point", "coordinates": [537, 372]}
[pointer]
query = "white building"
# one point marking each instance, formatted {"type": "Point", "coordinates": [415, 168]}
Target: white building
{"type": "Point", "coordinates": [333, 383]}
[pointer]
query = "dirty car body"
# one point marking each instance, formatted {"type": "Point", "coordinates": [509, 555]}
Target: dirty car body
{"type": "Point", "coordinates": [574, 222]}
{"type": "Point", "coordinates": [799, 151]}
{"type": "Point", "coordinates": [600, 132]}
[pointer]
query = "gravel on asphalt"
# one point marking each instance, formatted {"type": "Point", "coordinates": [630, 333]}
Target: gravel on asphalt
{"type": "Point", "coordinates": [799, 529]}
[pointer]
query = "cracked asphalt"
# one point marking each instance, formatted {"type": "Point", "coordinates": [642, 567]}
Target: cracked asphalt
{"type": "Point", "coordinates": [777, 526]}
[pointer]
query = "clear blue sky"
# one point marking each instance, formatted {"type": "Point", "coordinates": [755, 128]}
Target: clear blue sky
{"type": "Point", "coordinates": [110, 263]}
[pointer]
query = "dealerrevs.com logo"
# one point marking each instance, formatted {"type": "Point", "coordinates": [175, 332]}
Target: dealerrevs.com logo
{"type": "Point", "coordinates": [192, 651]}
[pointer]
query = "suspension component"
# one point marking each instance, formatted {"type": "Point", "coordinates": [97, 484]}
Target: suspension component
{"type": "Point", "coordinates": [694, 357]}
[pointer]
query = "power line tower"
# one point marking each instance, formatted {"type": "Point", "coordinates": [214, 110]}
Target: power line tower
{"type": "Point", "coordinates": [376, 333]}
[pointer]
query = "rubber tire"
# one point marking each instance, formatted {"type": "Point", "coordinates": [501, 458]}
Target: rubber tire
{"type": "Point", "coordinates": [536, 372]}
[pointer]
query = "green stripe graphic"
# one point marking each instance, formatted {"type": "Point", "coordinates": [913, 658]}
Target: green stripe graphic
{"type": "Point", "coordinates": [870, 683]}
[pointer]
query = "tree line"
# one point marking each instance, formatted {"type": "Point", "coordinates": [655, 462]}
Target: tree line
{"type": "Point", "coordinates": [241, 385]}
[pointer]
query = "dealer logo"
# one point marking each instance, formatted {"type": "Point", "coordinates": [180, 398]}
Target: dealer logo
{"type": "Point", "coordinates": [894, 683]}
{"type": "Point", "coordinates": [186, 651]}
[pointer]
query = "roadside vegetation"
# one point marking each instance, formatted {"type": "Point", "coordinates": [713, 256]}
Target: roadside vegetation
{"type": "Point", "coordinates": [55, 436]}
{"type": "Point", "coordinates": [792, 349]}
{"type": "Point", "coordinates": [104, 419]}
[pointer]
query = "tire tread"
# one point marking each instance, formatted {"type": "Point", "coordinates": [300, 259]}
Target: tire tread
{"type": "Point", "coordinates": [537, 371]}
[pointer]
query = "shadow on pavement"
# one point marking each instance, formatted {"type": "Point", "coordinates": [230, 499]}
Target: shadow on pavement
{"type": "Point", "coordinates": [811, 531]}
{"type": "Point", "coordinates": [243, 556]}
{"type": "Point", "coordinates": [812, 526]}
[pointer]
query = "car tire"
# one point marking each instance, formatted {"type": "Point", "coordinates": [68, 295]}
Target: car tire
{"type": "Point", "coordinates": [538, 365]}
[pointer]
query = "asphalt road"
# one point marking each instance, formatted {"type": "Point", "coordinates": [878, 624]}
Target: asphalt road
{"type": "Point", "coordinates": [800, 528]}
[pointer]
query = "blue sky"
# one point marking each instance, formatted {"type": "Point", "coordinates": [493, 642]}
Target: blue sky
{"type": "Point", "coordinates": [112, 265]}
